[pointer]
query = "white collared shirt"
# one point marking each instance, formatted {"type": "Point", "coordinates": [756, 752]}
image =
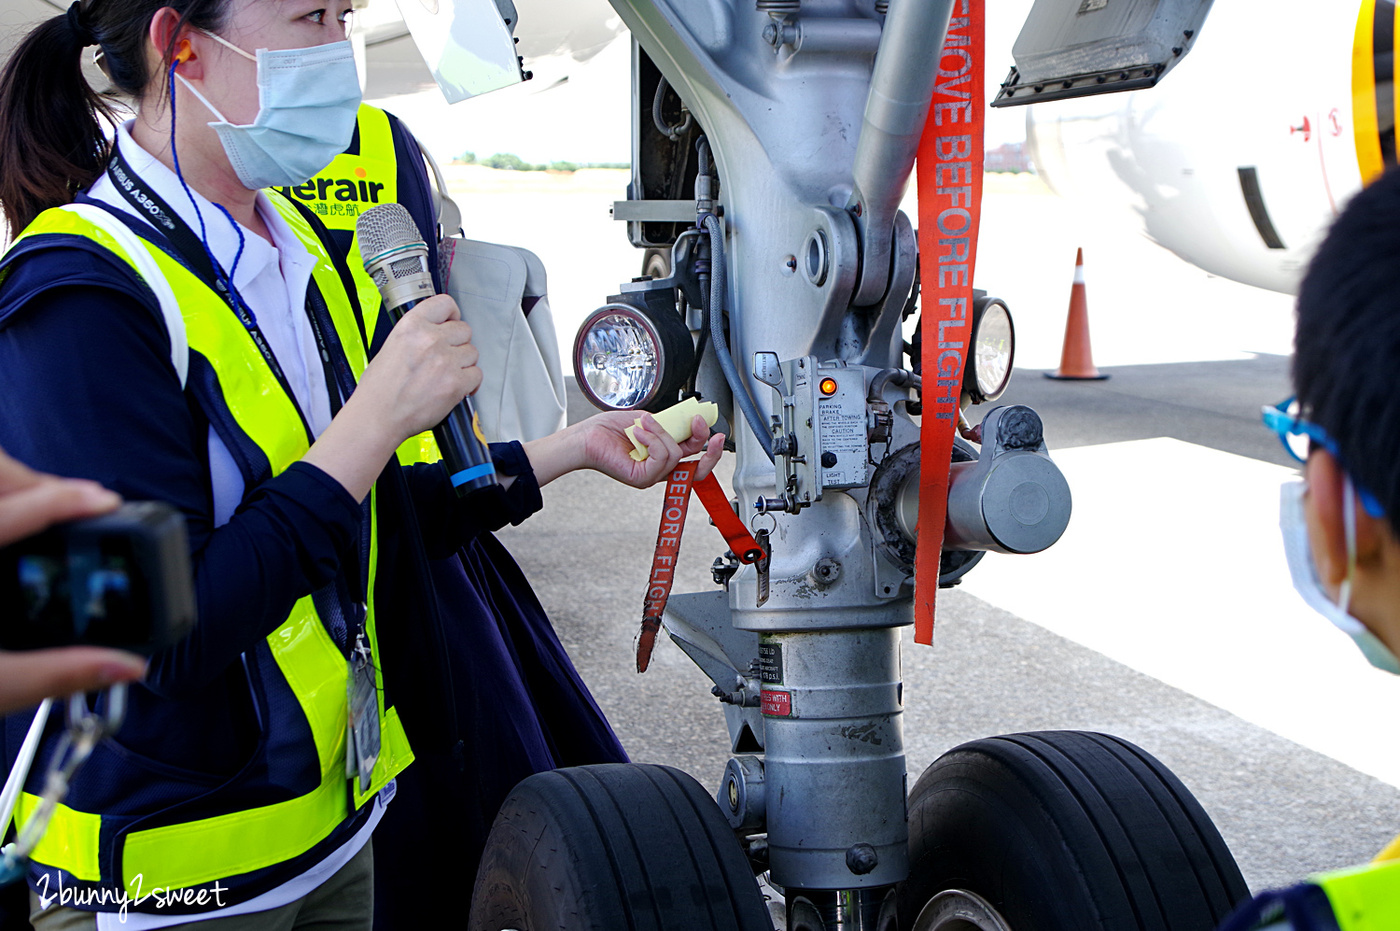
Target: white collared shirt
{"type": "Point", "coordinates": [272, 279]}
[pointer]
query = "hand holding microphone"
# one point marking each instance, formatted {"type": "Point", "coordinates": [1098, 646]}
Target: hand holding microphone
{"type": "Point", "coordinates": [425, 367]}
{"type": "Point", "coordinates": [396, 257]}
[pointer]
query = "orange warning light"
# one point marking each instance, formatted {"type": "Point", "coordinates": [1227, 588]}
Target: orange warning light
{"type": "Point", "coordinates": [827, 387]}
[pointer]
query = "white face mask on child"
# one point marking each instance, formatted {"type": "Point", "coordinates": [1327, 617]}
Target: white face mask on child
{"type": "Point", "coordinates": [307, 102]}
{"type": "Point", "coordinates": [1301, 567]}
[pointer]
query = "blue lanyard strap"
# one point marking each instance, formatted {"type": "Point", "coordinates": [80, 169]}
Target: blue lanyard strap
{"type": "Point", "coordinates": [194, 255]}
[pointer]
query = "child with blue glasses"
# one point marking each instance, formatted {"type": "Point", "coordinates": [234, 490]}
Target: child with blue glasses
{"type": "Point", "coordinates": [1341, 522]}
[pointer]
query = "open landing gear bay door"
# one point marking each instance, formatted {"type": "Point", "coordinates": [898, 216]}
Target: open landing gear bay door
{"type": "Point", "coordinates": [1077, 48]}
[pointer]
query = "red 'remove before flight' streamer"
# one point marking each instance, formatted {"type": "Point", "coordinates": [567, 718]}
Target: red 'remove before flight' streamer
{"type": "Point", "coordinates": [949, 172]}
{"type": "Point", "coordinates": [668, 545]}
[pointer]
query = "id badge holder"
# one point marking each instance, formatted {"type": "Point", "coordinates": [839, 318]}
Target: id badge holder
{"type": "Point", "coordinates": [362, 736]}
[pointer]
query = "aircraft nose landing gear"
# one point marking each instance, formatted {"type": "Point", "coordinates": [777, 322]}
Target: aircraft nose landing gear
{"type": "Point", "coordinates": [1047, 831]}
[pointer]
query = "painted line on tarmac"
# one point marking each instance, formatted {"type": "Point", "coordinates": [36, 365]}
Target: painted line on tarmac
{"type": "Point", "coordinates": [1173, 565]}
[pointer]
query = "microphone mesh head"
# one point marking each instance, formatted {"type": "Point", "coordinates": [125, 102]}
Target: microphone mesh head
{"type": "Point", "coordinates": [388, 226]}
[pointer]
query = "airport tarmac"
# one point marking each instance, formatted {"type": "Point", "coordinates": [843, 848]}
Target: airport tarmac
{"type": "Point", "coordinates": [1164, 615]}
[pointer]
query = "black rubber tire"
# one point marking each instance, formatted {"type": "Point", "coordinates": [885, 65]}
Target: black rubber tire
{"type": "Point", "coordinates": [1067, 831]}
{"type": "Point", "coordinates": [613, 847]}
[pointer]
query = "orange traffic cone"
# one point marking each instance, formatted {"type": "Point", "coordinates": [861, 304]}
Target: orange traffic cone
{"type": "Point", "coordinates": [1077, 357]}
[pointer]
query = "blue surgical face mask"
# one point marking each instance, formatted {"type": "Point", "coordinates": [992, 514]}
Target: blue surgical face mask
{"type": "Point", "coordinates": [1304, 571]}
{"type": "Point", "coordinates": [307, 102]}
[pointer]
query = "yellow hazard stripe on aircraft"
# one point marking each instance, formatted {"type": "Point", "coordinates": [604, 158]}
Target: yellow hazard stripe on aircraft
{"type": "Point", "coordinates": [1391, 851]}
{"type": "Point", "coordinates": [1373, 87]}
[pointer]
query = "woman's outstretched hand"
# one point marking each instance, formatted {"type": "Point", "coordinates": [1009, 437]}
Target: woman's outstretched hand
{"type": "Point", "coordinates": [600, 443]}
{"type": "Point", "coordinates": [607, 448]}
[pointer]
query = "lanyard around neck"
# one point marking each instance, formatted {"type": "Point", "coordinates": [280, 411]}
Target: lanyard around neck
{"type": "Point", "coordinates": [193, 255]}
{"type": "Point", "coordinates": [340, 380]}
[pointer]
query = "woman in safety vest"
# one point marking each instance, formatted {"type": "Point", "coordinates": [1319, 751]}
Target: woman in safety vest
{"type": "Point", "coordinates": [172, 331]}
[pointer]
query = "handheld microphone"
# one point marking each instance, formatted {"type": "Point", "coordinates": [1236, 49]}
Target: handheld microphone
{"type": "Point", "coordinates": [396, 257]}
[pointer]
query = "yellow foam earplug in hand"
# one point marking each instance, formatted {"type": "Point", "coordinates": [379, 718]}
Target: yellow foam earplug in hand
{"type": "Point", "coordinates": [675, 420]}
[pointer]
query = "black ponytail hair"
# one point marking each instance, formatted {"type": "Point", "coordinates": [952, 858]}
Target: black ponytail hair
{"type": "Point", "coordinates": [52, 139]}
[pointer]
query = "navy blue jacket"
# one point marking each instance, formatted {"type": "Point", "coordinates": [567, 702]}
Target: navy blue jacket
{"type": "Point", "coordinates": [90, 391]}
{"type": "Point", "coordinates": [484, 688]}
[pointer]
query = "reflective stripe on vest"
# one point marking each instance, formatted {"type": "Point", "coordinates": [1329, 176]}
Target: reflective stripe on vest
{"type": "Point", "coordinates": [1364, 898]}
{"type": "Point", "coordinates": [182, 855]}
{"type": "Point", "coordinates": [420, 448]}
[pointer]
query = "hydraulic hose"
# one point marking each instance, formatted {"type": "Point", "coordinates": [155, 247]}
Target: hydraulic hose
{"type": "Point", "coordinates": [670, 132]}
{"type": "Point", "coordinates": [737, 386]}
{"type": "Point", "coordinates": [900, 377]}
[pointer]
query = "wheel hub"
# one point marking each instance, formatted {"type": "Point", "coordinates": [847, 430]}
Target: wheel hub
{"type": "Point", "coordinates": [959, 910]}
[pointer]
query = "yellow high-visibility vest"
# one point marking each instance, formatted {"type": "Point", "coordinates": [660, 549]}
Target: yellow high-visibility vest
{"type": "Point", "coordinates": [1364, 898]}
{"type": "Point", "coordinates": [356, 181]}
{"type": "Point", "coordinates": [195, 852]}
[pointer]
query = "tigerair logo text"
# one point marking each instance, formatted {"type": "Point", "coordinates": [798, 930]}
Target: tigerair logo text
{"type": "Point", "coordinates": [337, 197]}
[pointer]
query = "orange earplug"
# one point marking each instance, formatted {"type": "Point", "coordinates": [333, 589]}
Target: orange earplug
{"type": "Point", "coordinates": [185, 51]}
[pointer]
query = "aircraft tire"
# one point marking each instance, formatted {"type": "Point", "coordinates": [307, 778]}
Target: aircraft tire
{"type": "Point", "coordinates": [1062, 831]}
{"type": "Point", "coordinates": [657, 263]}
{"type": "Point", "coordinates": [614, 846]}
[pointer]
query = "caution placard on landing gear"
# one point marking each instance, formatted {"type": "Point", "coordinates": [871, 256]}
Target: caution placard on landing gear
{"type": "Point", "coordinates": [776, 704]}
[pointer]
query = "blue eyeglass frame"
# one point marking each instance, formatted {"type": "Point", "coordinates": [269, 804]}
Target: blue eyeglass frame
{"type": "Point", "coordinates": [1284, 424]}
